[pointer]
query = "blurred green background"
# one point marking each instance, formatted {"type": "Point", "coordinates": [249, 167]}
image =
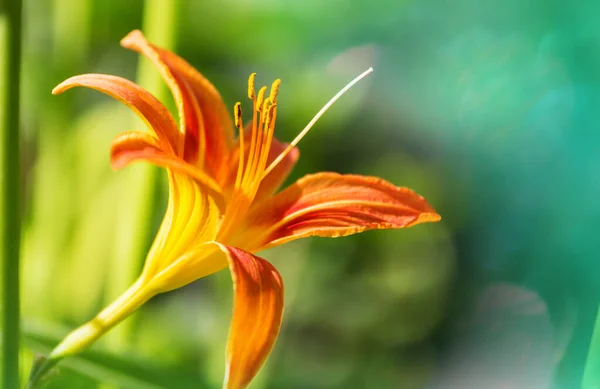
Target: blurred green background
{"type": "Point", "coordinates": [488, 109]}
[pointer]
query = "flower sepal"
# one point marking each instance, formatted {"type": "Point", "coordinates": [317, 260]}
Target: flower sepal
{"type": "Point", "coordinates": [42, 371]}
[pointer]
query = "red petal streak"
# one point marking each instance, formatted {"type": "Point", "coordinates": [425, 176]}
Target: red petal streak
{"type": "Point", "coordinates": [257, 313]}
{"type": "Point", "coordinates": [190, 117]}
{"type": "Point", "coordinates": [156, 116]}
{"type": "Point", "coordinates": [332, 205]}
{"type": "Point", "coordinates": [212, 124]}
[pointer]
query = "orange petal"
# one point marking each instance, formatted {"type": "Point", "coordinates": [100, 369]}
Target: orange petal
{"type": "Point", "coordinates": [257, 313]}
{"type": "Point", "coordinates": [204, 117]}
{"type": "Point", "coordinates": [277, 176]}
{"type": "Point", "coordinates": [134, 146]}
{"type": "Point", "coordinates": [126, 146]}
{"type": "Point", "coordinates": [273, 180]}
{"type": "Point", "coordinates": [146, 106]}
{"type": "Point", "coordinates": [332, 205]}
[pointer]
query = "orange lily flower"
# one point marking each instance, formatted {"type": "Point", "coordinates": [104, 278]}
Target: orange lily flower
{"type": "Point", "coordinates": [222, 204]}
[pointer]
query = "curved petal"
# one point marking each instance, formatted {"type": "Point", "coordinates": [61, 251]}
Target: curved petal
{"type": "Point", "coordinates": [272, 181]}
{"type": "Point", "coordinates": [146, 106]}
{"type": "Point", "coordinates": [257, 308]}
{"type": "Point", "coordinates": [332, 205]}
{"type": "Point", "coordinates": [179, 254]}
{"type": "Point", "coordinates": [190, 117]}
{"type": "Point", "coordinates": [134, 146]}
{"type": "Point", "coordinates": [130, 142]}
{"type": "Point", "coordinates": [257, 313]}
{"type": "Point", "coordinates": [203, 115]}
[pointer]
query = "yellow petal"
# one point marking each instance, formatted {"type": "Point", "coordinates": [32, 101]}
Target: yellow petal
{"type": "Point", "coordinates": [190, 221]}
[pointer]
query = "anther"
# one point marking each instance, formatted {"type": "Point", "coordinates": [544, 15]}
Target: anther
{"type": "Point", "coordinates": [261, 98]}
{"type": "Point", "coordinates": [270, 115]}
{"type": "Point", "coordinates": [274, 90]}
{"type": "Point", "coordinates": [237, 113]}
{"type": "Point", "coordinates": [265, 108]}
{"type": "Point", "coordinates": [251, 91]}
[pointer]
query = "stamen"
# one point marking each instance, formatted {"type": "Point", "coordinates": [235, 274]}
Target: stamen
{"type": "Point", "coordinates": [281, 156]}
{"type": "Point", "coordinates": [269, 123]}
{"type": "Point", "coordinates": [274, 90]}
{"type": "Point", "coordinates": [251, 90]}
{"type": "Point", "coordinates": [253, 145]}
{"type": "Point", "coordinates": [261, 98]}
{"type": "Point", "coordinates": [237, 113]}
{"type": "Point", "coordinates": [257, 152]}
{"type": "Point", "coordinates": [269, 129]}
{"type": "Point", "coordinates": [265, 109]}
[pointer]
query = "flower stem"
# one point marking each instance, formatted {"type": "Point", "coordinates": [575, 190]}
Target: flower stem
{"type": "Point", "coordinates": [82, 337]}
{"type": "Point", "coordinates": [10, 181]}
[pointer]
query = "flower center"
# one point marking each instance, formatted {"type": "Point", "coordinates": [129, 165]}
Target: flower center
{"type": "Point", "coordinates": [252, 168]}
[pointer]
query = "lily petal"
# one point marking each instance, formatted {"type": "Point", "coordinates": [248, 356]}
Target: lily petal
{"type": "Point", "coordinates": [204, 117]}
{"type": "Point", "coordinates": [146, 106]}
{"type": "Point", "coordinates": [133, 146]}
{"type": "Point", "coordinates": [257, 309]}
{"type": "Point", "coordinates": [332, 205]}
{"type": "Point", "coordinates": [257, 313]}
{"type": "Point", "coordinates": [179, 254]}
{"type": "Point", "coordinates": [273, 180]}
{"type": "Point", "coordinates": [128, 143]}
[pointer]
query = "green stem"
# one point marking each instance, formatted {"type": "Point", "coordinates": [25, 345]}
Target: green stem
{"type": "Point", "coordinates": [10, 181]}
{"type": "Point", "coordinates": [84, 336]}
{"type": "Point", "coordinates": [591, 374]}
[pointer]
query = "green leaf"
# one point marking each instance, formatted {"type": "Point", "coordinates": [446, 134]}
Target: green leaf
{"type": "Point", "coordinates": [125, 371]}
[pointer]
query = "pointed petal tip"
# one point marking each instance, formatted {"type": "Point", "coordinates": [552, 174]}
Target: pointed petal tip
{"type": "Point", "coordinates": [131, 40]}
{"type": "Point", "coordinates": [333, 205]}
{"type": "Point", "coordinates": [428, 217]}
{"type": "Point", "coordinates": [63, 86]}
{"type": "Point", "coordinates": [74, 81]}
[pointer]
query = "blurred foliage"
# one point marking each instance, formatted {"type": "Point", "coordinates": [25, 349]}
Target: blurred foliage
{"type": "Point", "coordinates": [488, 110]}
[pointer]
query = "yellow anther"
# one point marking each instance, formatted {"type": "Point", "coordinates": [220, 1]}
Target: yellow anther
{"type": "Point", "coordinates": [265, 108]}
{"type": "Point", "coordinates": [274, 90]}
{"type": "Point", "coordinates": [237, 113]}
{"type": "Point", "coordinates": [261, 98]}
{"type": "Point", "coordinates": [270, 116]}
{"type": "Point", "coordinates": [251, 91]}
